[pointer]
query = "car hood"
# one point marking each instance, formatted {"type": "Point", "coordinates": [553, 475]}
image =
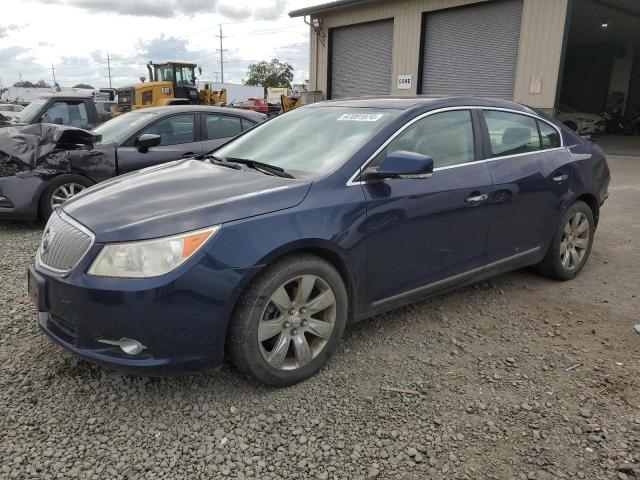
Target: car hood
{"type": "Point", "coordinates": [178, 197]}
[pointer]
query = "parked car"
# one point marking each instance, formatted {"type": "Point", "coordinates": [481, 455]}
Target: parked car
{"type": "Point", "coordinates": [10, 110]}
{"type": "Point", "coordinates": [74, 110]}
{"type": "Point", "coordinates": [266, 251]}
{"type": "Point", "coordinates": [581, 122]}
{"type": "Point", "coordinates": [126, 143]}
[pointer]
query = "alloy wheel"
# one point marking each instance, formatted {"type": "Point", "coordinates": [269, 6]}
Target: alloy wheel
{"type": "Point", "coordinates": [297, 322]}
{"type": "Point", "coordinates": [575, 241]}
{"type": "Point", "coordinates": [65, 192]}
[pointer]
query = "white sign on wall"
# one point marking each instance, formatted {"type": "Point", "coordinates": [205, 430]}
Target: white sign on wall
{"type": "Point", "coordinates": [535, 87]}
{"type": "Point", "coordinates": [404, 82]}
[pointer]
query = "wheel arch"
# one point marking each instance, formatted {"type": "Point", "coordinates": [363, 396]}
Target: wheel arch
{"type": "Point", "coordinates": [323, 249]}
{"type": "Point", "coordinates": [593, 204]}
{"type": "Point", "coordinates": [45, 186]}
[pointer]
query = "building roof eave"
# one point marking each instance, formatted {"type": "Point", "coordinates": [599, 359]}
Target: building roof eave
{"type": "Point", "coordinates": [327, 7]}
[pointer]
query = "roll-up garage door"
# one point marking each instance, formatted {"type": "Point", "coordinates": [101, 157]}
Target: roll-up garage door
{"type": "Point", "coordinates": [361, 59]}
{"type": "Point", "coordinates": [472, 50]}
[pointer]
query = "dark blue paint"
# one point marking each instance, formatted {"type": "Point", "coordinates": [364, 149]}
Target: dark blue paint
{"type": "Point", "coordinates": [386, 237]}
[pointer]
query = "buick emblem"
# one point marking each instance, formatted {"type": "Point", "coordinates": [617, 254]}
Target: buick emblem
{"type": "Point", "coordinates": [46, 239]}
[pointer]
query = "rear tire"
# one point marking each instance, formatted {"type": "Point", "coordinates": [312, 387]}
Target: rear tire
{"type": "Point", "coordinates": [55, 194]}
{"type": "Point", "coordinates": [288, 321]}
{"type": "Point", "coordinates": [571, 244]}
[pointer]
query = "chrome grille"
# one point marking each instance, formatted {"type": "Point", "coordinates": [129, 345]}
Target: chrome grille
{"type": "Point", "coordinates": [64, 243]}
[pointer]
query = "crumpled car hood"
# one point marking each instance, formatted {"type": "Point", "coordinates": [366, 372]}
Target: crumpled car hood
{"type": "Point", "coordinates": [178, 197]}
{"type": "Point", "coordinates": [31, 142]}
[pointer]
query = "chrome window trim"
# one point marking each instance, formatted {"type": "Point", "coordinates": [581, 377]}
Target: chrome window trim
{"type": "Point", "coordinates": [77, 225]}
{"type": "Point", "coordinates": [352, 180]}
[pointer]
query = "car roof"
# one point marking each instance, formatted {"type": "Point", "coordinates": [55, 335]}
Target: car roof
{"type": "Point", "coordinates": [249, 114]}
{"type": "Point", "coordinates": [419, 102]}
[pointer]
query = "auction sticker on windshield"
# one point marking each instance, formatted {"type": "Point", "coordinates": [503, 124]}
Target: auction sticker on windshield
{"type": "Point", "coordinates": [360, 117]}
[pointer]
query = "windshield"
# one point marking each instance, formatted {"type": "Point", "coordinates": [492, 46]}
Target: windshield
{"type": "Point", "coordinates": [120, 126]}
{"type": "Point", "coordinates": [164, 73]}
{"type": "Point", "coordinates": [30, 113]}
{"type": "Point", "coordinates": [184, 76]}
{"type": "Point", "coordinates": [309, 140]}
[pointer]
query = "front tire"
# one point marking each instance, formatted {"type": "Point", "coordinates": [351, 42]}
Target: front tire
{"type": "Point", "coordinates": [59, 190]}
{"type": "Point", "coordinates": [571, 244]}
{"type": "Point", "coordinates": [288, 321]}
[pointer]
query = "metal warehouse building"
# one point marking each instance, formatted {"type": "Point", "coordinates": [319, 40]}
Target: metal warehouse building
{"type": "Point", "coordinates": [536, 52]}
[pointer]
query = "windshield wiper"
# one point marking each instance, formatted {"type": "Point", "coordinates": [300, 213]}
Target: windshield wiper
{"type": "Point", "coordinates": [272, 169]}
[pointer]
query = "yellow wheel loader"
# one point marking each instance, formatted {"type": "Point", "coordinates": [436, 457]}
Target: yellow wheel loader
{"type": "Point", "coordinates": [170, 83]}
{"type": "Point", "coordinates": [290, 102]}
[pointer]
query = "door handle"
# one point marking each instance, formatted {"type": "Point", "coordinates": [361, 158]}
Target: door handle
{"type": "Point", "coordinates": [188, 154]}
{"type": "Point", "coordinates": [477, 199]}
{"type": "Point", "coordinates": [561, 178]}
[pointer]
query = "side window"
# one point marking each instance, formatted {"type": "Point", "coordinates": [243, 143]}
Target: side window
{"type": "Point", "coordinates": [549, 135]}
{"type": "Point", "coordinates": [446, 137]}
{"type": "Point", "coordinates": [247, 124]}
{"type": "Point", "coordinates": [222, 126]}
{"type": "Point", "coordinates": [67, 113]}
{"type": "Point", "coordinates": [511, 133]}
{"type": "Point", "coordinates": [174, 130]}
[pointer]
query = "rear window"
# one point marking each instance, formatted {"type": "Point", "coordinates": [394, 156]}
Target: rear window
{"type": "Point", "coordinates": [511, 133]}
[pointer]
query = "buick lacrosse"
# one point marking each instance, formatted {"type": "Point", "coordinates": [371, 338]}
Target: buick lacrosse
{"type": "Point", "coordinates": [265, 249]}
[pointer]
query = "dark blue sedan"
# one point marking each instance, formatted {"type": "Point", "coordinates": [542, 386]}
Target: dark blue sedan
{"type": "Point", "coordinates": [266, 249]}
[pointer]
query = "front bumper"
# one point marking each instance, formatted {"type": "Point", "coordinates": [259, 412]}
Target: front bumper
{"type": "Point", "coordinates": [181, 321]}
{"type": "Point", "coordinates": [21, 196]}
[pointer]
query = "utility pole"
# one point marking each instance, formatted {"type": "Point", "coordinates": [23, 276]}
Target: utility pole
{"type": "Point", "coordinates": [109, 68]}
{"type": "Point", "coordinates": [53, 72]}
{"type": "Point", "coordinates": [222, 62]}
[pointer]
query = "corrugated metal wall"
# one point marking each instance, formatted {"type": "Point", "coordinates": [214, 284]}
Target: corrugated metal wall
{"type": "Point", "coordinates": [472, 50]}
{"type": "Point", "coordinates": [361, 51]}
{"type": "Point", "coordinates": [540, 47]}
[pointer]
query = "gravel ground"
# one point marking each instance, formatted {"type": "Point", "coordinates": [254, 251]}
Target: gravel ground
{"type": "Point", "coordinates": [481, 388]}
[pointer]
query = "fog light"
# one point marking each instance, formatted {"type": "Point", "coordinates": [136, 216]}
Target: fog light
{"type": "Point", "coordinates": [127, 345]}
{"type": "Point", "coordinates": [5, 202]}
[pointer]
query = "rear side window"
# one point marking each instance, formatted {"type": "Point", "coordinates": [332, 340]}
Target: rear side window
{"type": "Point", "coordinates": [247, 124]}
{"type": "Point", "coordinates": [549, 136]}
{"type": "Point", "coordinates": [222, 126]}
{"type": "Point", "coordinates": [511, 133]}
{"type": "Point", "coordinates": [446, 137]}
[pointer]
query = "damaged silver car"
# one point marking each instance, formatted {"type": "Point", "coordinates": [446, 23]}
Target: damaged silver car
{"type": "Point", "coordinates": [43, 165]}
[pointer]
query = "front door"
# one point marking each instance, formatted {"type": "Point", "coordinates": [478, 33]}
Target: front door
{"type": "Point", "coordinates": [424, 234]}
{"type": "Point", "coordinates": [179, 138]}
{"type": "Point", "coordinates": [531, 175]}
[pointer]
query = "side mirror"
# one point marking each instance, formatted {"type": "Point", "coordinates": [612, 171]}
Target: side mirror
{"type": "Point", "coordinates": [401, 164]}
{"type": "Point", "coordinates": [58, 121]}
{"type": "Point", "coordinates": [147, 140]}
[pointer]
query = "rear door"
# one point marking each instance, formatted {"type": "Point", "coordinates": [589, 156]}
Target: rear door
{"type": "Point", "coordinates": [425, 234]}
{"type": "Point", "coordinates": [180, 137]}
{"type": "Point", "coordinates": [531, 175]}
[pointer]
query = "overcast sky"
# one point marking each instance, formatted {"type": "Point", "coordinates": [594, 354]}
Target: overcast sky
{"type": "Point", "coordinates": [75, 36]}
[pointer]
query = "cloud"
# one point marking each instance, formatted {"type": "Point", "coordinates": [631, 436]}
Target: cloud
{"type": "Point", "coordinates": [171, 8]}
{"type": "Point", "coordinates": [5, 29]}
{"type": "Point", "coordinates": [270, 12]}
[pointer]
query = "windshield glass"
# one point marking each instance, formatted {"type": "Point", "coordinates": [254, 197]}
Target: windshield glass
{"type": "Point", "coordinates": [309, 140]}
{"type": "Point", "coordinates": [30, 113]}
{"type": "Point", "coordinates": [184, 76]}
{"type": "Point", "coordinates": [121, 126]}
{"type": "Point", "coordinates": [164, 74]}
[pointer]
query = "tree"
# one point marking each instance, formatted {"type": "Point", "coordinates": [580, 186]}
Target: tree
{"type": "Point", "coordinates": [84, 85]}
{"type": "Point", "coordinates": [28, 84]}
{"type": "Point", "coordinates": [270, 74]}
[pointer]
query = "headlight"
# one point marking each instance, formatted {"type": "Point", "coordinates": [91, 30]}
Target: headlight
{"type": "Point", "coordinates": [149, 258]}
